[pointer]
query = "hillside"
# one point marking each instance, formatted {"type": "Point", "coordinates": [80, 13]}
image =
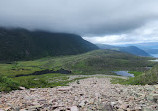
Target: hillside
{"type": "Point", "coordinates": [151, 51]}
{"type": "Point", "coordinates": [149, 77]}
{"type": "Point", "coordinates": [134, 50]}
{"type": "Point", "coordinates": [93, 62]}
{"type": "Point", "coordinates": [21, 44]}
{"type": "Point", "coordinates": [149, 47]}
{"type": "Point", "coordinates": [38, 73]}
{"type": "Point", "coordinates": [129, 49]}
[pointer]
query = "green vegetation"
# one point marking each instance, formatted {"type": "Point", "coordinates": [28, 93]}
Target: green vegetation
{"type": "Point", "coordinates": [21, 44]}
{"type": "Point", "coordinates": [7, 84]}
{"type": "Point", "coordinates": [43, 81]}
{"type": "Point", "coordinates": [40, 81]}
{"type": "Point", "coordinates": [136, 73]}
{"type": "Point", "coordinates": [94, 62]}
{"type": "Point", "coordinates": [149, 77]}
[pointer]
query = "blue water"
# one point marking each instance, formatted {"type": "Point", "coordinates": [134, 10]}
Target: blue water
{"type": "Point", "coordinates": [124, 73]}
{"type": "Point", "coordinates": [156, 60]}
{"type": "Point", "coordinates": [154, 55]}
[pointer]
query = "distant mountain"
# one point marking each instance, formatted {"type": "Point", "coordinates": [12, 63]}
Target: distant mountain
{"type": "Point", "coordinates": [21, 44]}
{"type": "Point", "coordinates": [150, 47]}
{"type": "Point", "coordinates": [152, 51]}
{"type": "Point", "coordinates": [134, 50]}
{"type": "Point", "coordinates": [129, 49]}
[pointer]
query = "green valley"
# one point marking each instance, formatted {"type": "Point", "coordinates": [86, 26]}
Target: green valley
{"type": "Point", "coordinates": [94, 62]}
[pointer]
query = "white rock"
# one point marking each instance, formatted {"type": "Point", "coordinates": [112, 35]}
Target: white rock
{"type": "Point", "coordinates": [156, 86]}
{"type": "Point", "coordinates": [74, 108]}
{"type": "Point", "coordinates": [113, 103]}
{"type": "Point", "coordinates": [124, 106]}
{"type": "Point", "coordinates": [23, 110]}
{"type": "Point", "coordinates": [82, 103]}
{"type": "Point", "coordinates": [22, 88]}
{"type": "Point", "coordinates": [64, 89]}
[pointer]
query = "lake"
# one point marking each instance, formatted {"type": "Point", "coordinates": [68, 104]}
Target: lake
{"type": "Point", "coordinates": [156, 60]}
{"type": "Point", "coordinates": [154, 55]}
{"type": "Point", "coordinates": [124, 73]}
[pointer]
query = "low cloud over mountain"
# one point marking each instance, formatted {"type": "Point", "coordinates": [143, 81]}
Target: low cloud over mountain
{"type": "Point", "coordinates": [127, 20]}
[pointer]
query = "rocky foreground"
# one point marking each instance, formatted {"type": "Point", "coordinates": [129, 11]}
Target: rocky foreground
{"type": "Point", "coordinates": [92, 94]}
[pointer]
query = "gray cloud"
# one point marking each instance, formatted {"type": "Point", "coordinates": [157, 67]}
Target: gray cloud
{"type": "Point", "coordinates": [146, 33]}
{"type": "Point", "coordinates": [84, 17]}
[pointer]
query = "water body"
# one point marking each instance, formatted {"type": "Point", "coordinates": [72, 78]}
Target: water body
{"type": "Point", "coordinates": [154, 55]}
{"type": "Point", "coordinates": [156, 60]}
{"type": "Point", "coordinates": [124, 73]}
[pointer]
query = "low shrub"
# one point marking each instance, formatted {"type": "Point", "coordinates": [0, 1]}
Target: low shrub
{"type": "Point", "coordinates": [7, 84]}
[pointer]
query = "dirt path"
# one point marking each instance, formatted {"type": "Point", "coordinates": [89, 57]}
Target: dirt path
{"type": "Point", "coordinates": [92, 94]}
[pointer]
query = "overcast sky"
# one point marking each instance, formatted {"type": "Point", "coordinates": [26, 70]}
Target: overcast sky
{"type": "Point", "coordinates": [99, 21]}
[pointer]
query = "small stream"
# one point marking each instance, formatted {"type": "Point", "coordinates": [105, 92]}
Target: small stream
{"type": "Point", "coordinates": [124, 73]}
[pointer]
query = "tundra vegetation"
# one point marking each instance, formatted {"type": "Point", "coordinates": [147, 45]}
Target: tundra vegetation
{"type": "Point", "coordinates": [93, 62]}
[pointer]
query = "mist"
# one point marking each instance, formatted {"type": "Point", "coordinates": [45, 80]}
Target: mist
{"type": "Point", "coordinates": [88, 18]}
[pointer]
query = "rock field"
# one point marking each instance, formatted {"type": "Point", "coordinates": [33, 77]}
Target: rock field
{"type": "Point", "coordinates": [91, 94]}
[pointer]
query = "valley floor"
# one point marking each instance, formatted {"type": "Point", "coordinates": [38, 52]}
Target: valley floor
{"type": "Point", "coordinates": [90, 94]}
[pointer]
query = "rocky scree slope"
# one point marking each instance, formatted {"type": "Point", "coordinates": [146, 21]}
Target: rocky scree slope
{"type": "Point", "coordinates": [92, 94]}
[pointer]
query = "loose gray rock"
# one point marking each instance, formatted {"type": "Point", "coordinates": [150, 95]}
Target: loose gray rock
{"type": "Point", "coordinates": [97, 94]}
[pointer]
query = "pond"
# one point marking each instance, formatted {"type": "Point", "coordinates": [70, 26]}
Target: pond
{"type": "Point", "coordinates": [124, 73]}
{"type": "Point", "coordinates": [156, 60]}
{"type": "Point", "coordinates": [154, 55]}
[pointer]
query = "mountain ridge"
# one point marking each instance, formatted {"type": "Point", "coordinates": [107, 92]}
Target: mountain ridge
{"type": "Point", "coordinates": [22, 44]}
{"type": "Point", "coordinates": [129, 49]}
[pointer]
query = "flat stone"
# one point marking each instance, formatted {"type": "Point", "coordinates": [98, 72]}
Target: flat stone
{"type": "Point", "coordinates": [138, 108]}
{"type": "Point", "coordinates": [124, 106]}
{"type": "Point", "coordinates": [74, 108]}
{"type": "Point", "coordinates": [107, 107]}
{"type": "Point", "coordinates": [23, 110]}
{"type": "Point", "coordinates": [83, 102]}
{"type": "Point", "coordinates": [32, 89]}
{"type": "Point", "coordinates": [113, 103]}
{"type": "Point", "coordinates": [153, 97]}
{"type": "Point", "coordinates": [156, 86]}
{"type": "Point", "coordinates": [34, 107]}
{"type": "Point", "coordinates": [147, 109]}
{"type": "Point", "coordinates": [64, 89]}
{"type": "Point", "coordinates": [129, 109]}
{"type": "Point", "coordinates": [22, 88]}
{"type": "Point", "coordinates": [120, 110]}
{"type": "Point", "coordinates": [7, 108]}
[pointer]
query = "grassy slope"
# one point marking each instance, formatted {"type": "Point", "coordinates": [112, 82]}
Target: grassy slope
{"type": "Point", "coordinates": [94, 62]}
{"type": "Point", "coordinates": [149, 77]}
{"type": "Point", "coordinates": [99, 61]}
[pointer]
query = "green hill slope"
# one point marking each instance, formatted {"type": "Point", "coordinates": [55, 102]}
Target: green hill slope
{"type": "Point", "coordinates": [21, 44]}
{"type": "Point", "coordinates": [149, 77]}
{"type": "Point", "coordinates": [93, 62]}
